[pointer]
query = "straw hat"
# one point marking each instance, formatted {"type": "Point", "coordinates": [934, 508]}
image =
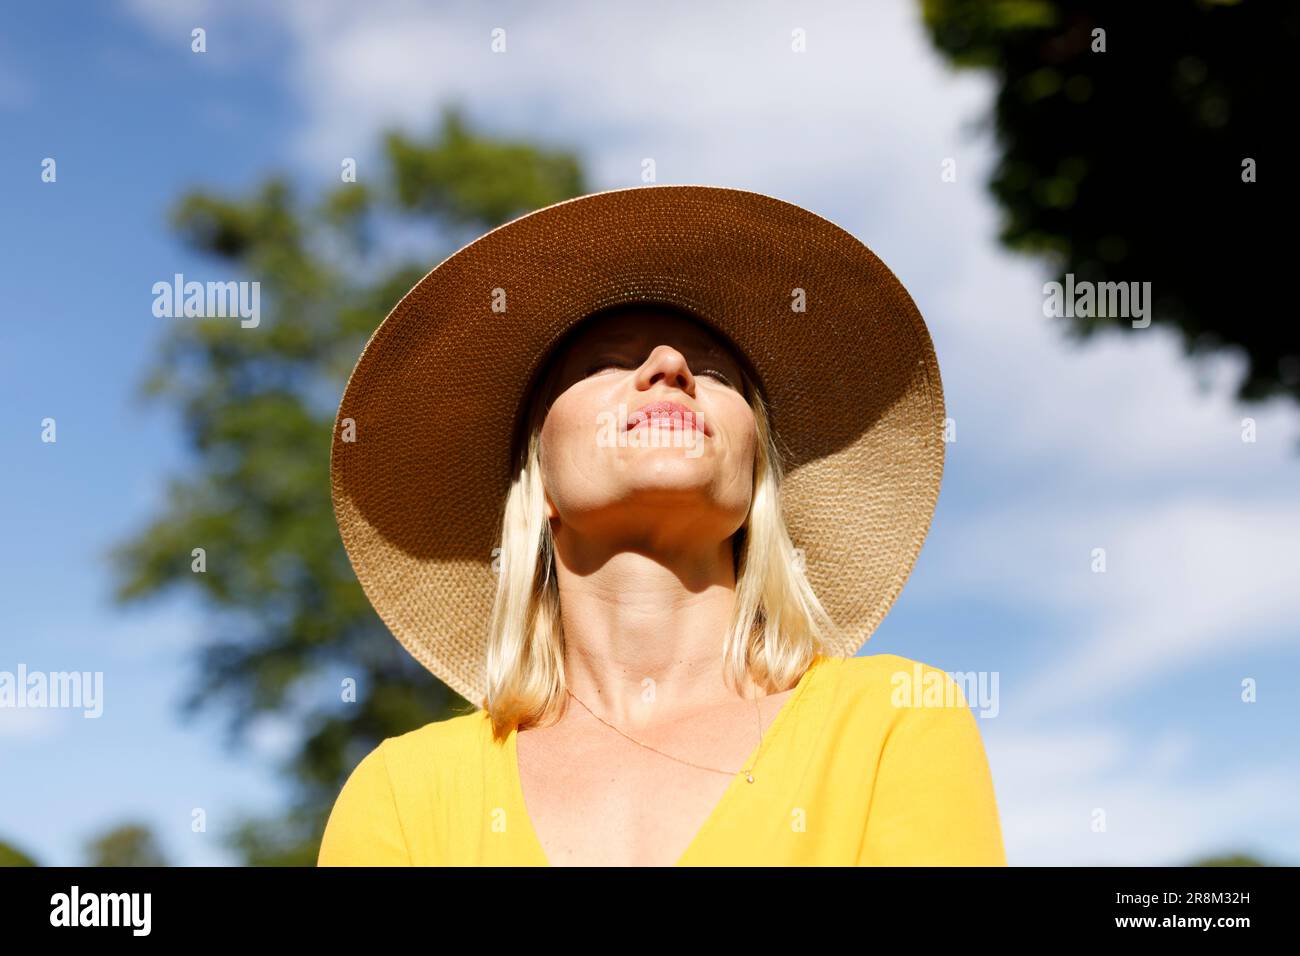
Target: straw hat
{"type": "Point", "coordinates": [421, 460]}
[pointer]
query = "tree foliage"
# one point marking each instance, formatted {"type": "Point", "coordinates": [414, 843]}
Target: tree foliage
{"type": "Point", "coordinates": [129, 844]}
{"type": "Point", "coordinates": [288, 620]}
{"type": "Point", "coordinates": [1126, 164]}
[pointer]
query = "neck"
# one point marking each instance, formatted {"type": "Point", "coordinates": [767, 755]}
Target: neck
{"type": "Point", "coordinates": [644, 630]}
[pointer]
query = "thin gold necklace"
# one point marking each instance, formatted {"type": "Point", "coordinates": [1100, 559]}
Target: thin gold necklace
{"type": "Point", "coordinates": [749, 771]}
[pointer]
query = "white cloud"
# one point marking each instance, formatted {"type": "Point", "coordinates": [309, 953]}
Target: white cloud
{"type": "Point", "coordinates": [1188, 579]}
{"type": "Point", "coordinates": [1050, 786]}
{"type": "Point", "coordinates": [237, 32]}
{"type": "Point", "coordinates": [1124, 407]}
{"type": "Point", "coordinates": [713, 92]}
{"type": "Point", "coordinates": [29, 724]}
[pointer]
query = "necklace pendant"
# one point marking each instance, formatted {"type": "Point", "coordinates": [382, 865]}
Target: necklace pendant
{"type": "Point", "coordinates": [749, 776]}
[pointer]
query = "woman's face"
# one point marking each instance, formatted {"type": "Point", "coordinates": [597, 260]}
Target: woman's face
{"type": "Point", "coordinates": [610, 468]}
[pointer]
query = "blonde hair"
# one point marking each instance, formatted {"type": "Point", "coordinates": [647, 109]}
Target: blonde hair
{"type": "Point", "coordinates": [777, 628]}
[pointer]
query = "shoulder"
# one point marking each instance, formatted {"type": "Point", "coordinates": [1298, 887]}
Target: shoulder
{"type": "Point", "coordinates": [451, 734]}
{"type": "Point", "coordinates": [894, 699]}
{"type": "Point", "coordinates": [932, 798]}
{"type": "Point", "coordinates": [890, 680]}
{"type": "Point", "coordinates": [420, 757]}
{"type": "Point", "coordinates": [417, 757]}
{"type": "Point", "coordinates": [384, 814]}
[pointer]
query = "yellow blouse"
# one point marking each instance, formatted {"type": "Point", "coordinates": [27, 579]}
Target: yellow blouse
{"type": "Point", "coordinates": [847, 778]}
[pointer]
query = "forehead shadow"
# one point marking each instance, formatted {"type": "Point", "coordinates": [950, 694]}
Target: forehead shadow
{"type": "Point", "coordinates": [622, 327]}
{"type": "Point", "coordinates": [547, 383]}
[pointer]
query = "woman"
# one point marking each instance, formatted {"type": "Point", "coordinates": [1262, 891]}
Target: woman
{"type": "Point", "coordinates": [675, 380]}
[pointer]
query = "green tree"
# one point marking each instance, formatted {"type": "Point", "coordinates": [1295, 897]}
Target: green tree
{"type": "Point", "coordinates": [131, 844]}
{"type": "Point", "coordinates": [10, 855]}
{"type": "Point", "coordinates": [289, 622]}
{"type": "Point", "coordinates": [1126, 164]}
{"type": "Point", "coordinates": [1229, 859]}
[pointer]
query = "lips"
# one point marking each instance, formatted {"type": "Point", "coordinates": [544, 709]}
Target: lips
{"type": "Point", "coordinates": [672, 414]}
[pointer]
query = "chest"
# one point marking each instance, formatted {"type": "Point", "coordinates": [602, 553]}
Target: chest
{"type": "Point", "coordinates": [594, 798]}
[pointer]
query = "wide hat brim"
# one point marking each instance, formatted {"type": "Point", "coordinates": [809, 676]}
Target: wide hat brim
{"type": "Point", "coordinates": [421, 459]}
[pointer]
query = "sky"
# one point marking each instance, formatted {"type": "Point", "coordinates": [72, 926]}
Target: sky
{"type": "Point", "coordinates": [1118, 692]}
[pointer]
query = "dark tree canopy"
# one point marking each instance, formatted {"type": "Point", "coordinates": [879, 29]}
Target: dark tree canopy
{"type": "Point", "coordinates": [1127, 165]}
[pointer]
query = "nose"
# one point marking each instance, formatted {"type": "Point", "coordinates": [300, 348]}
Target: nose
{"type": "Point", "coordinates": [666, 364]}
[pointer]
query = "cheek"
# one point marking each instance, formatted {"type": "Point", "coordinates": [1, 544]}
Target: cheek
{"type": "Point", "coordinates": [742, 432]}
{"type": "Point", "coordinates": [566, 435]}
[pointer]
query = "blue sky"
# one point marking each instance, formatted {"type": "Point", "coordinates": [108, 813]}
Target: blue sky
{"type": "Point", "coordinates": [1118, 691]}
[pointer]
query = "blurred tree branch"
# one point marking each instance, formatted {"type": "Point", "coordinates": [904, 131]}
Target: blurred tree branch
{"type": "Point", "coordinates": [289, 619]}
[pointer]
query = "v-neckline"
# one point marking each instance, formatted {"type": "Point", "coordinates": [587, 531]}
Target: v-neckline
{"type": "Point", "coordinates": [516, 779]}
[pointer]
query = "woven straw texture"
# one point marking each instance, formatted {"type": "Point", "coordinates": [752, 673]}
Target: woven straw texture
{"type": "Point", "coordinates": [853, 383]}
